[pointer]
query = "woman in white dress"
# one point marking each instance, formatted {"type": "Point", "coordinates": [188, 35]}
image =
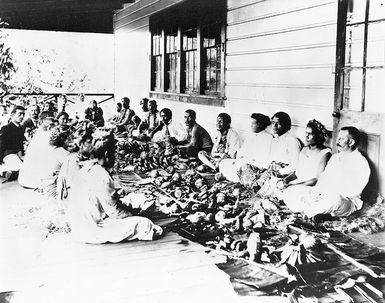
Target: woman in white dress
{"type": "Point", "coordinates": [254, 151]}
{"type": "Point", "coordinates": [96, 214]}
{"type": "Point", "coordinates": [312, 160]}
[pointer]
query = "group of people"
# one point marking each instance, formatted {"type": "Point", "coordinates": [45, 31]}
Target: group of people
{"type": "Point", "coordinates": [69, 158]}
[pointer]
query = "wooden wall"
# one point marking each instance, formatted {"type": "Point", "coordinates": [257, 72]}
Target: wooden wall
{"type": "Point", "coordinates": [279, 57]}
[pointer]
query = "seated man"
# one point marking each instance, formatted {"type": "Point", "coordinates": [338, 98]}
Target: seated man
{"type": "Point", "coordinates": [339, 187]}
{"type": "Point", "coordinates": [32, 122]}
{"type": "Point", "coordinates": [125, 117]}
{"type": "Point", "coordinates": [168, 131]}
{"type": "Point", "coordinates": [12, 142]}
{"type": "Point", "coordinates": [151, 120]}
{"type": "Point", "coordinates": [95, 114]}
{"type": "Point", "coordinates": [198, 139]}
{"type": "Point", "coordinates": [226, 143]}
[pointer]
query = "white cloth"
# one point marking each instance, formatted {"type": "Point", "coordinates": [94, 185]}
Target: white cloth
{"type": "Point", "coordinates": [255, 151]}
{"type": "Point", "coordinates": [309, 162]}
{"type": "Point", "coordinates": [94, 213]}
{"type": "Point", "coordinates": [12, 162]}
{"type": "Point", "coordinates": [41, 161]}
{"type": "Point", "coordinates": [338, 190]}
{"type": "Point", "coordinates": [233, 142]}
{"type": "Point", "coordinates": [285, 149]}
{"type": "Point", "coordinates": [176, 129]}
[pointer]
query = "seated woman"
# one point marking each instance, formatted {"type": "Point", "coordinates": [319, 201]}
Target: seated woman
{"type": "Point", "coordinates": [255, 150]}
{"type": "Point", "coordinates": [96, 215]}
{"type": "Point", "coordinates": [54, 157]}
{"type": "Point", "coordinates": [313, 157]}
{"type": "Point", "coordinates": [226, 143]}
{"type": "Point", "coordinates": [284, 153]}
{"type": "Point", "coordinates": [31, 171]}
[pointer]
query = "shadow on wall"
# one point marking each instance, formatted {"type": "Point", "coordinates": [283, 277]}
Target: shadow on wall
{"type": "Point", "coordinates": [370, 192]}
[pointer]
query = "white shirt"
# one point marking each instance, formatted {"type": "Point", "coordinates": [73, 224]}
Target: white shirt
{"type": "Point", "coordinates": [285, 149]}
{"type": "Point", "coordinates": [256, 149]}
{"type": "Point", "coordinates": [309, 162]}
{"type": "Point", "coordinates": [346, 174]}
{"type": "Point", "coordinates": [233, 142]}
{"type": "Point", "coordinates": [176, 130]}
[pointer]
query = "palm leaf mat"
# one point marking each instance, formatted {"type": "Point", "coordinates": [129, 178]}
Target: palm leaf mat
{"type": "Point", "coordinates": [316, 279]}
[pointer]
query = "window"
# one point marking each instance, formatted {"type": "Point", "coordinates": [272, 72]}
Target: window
{"type": "Point", "coordinates": [211, 36]}
{"type": "Point", "coordinates": [171, 59]}
{"type": "Point", "coordinates": [156, 59]}
{"type": "Point", "coordinates": [360, 66]}
{"type": "Point", "coordinates": [191, 37]}
{"type": "Point", "coordinates": [190, 60]}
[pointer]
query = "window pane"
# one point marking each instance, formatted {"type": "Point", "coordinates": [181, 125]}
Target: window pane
{"type": "Point", "coordinates": [353, 89]}
{"type": "Point", "coordinates": [376, 44]}
{"type": "Point", "coordinates": [375, 89]}
{"type": "Point", "coordinates": [211, 35]}
{"type": "Point", "coordinates": [356, 11]}
{"type": "Point", "coordinates": [354, 45]}
{"type": "Point", "coordinates": [376, 9]}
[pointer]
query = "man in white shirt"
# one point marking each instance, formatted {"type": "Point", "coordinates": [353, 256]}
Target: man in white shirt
{"type": "Point", "coordinates": [226, 143]}
{"type": "Point", "coordinates": [169, 129]}
{"type": "Point", "coordinates": [339, 187]}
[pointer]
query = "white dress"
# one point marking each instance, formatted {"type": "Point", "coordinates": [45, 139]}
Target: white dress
{"type": "Point", "coordinates": [255, 151]}
{"type": "Point", "coordinates": [338, 190]}
{"type": "Point", "coordinates": [95, 216]}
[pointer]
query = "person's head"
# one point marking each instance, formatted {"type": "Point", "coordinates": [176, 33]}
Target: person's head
{"type": "Point", "coordinates": [46, 120]}
{"type": "Point", "coordinates": [103, 148]}
{"type": "Point", "coordinates": [190, 117]}
{"type": "Point", "coordinates": [126, 102]}
{"type": "Point", "coordinates": [166, 115]}
{"type": "Point", "coordinates": [81, 98]}
{"type": "Point", "coordinates": [315, 133]}
{"type": "Point", "coordinates": [58, 137]}
{"type": "Point", "coordinates": [223, 122]}
{"type": "Point", "coordinates": [259, 122]}
{"type": "Point", "coordinates": [17, 114]}
{"type": "Point", "coordinates": [144, 104]}
{"type": "Point", "coordinates": [348, 139]}
{"type": "Point", "coordinates": [118, 107]}
{"type": "Point", "coordinates": [281, 123]}
{"type": "Point", "coordinates": [152, 106]}
{"type": "Point", "coordinates": [62, 118]}
{"type": "Point", "coordinates": [35, 111]}
{"type": "Point", "coordinates": [94, 104]}
{"type": "Point", "coordinates": [136, 120]}
{"type": "Point", "coordinates": [48, 106]}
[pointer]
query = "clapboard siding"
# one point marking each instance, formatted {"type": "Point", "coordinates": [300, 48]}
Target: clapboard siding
{"type": "Point", "coordinates": [279, 56]}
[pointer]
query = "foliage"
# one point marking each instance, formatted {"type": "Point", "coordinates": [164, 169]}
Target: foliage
{"type": "Point", "coordinates": [7, 67]}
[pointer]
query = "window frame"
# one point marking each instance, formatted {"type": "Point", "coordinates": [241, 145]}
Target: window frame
{"type": "Point", "coordinates": [182, 22]}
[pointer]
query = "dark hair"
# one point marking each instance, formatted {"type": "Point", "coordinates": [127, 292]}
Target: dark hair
{"type": "Point", "coordinates": [152, 102]}
{"type": "Point", "coordinates": [354, 133]}
{"type": "Point", "coordinates": [192, 113]}
{"type": "Point", "coordinates": [62, 114]}
{"type": "Point", "coordinates": [284, 120]}
{"type": "Point", "coordinates": [125, 100]}
{"type": "Point", "coordinates": [167, 112]}
{"type": "Point", "coordinates": [136, 119]}
{"type": "Point", "coordinates": [226, 118]}
{"type": "Point", "coordinates": [103, 145]}
{"type": "Point", "coordinates": [45, 114]}
{"type": "Point", "coordinates": [17, 107]}
{"type": "Point", "coordinates": [262, 119]}
{"type": "Point", "coordinates": [119, 104]}
{"type": "Point", "coordinates": [58, 137]}
{"type": "Point", "coordinates": [318, 130]}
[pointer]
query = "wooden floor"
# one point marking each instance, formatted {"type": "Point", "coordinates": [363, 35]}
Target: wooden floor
{"type": "Point", "coordinates": [59, 269]}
